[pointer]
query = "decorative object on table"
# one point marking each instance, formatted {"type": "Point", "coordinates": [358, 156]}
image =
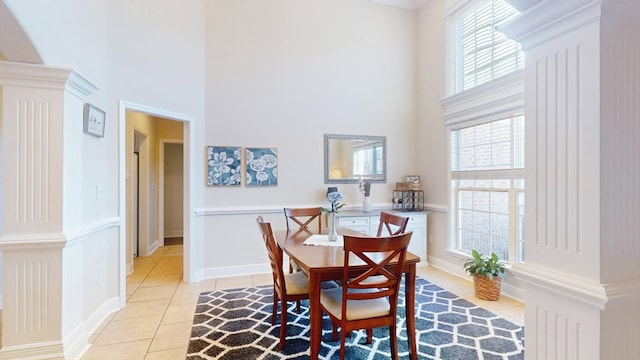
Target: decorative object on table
{"type": "Point", "coordinates": [94, 120]}
{"type": "Point", "coordinates": [262, 166]}
{"type": "Point", "coordinates": [408, 200]}
{"type": "Point", "coordinates": [223, 166]}
{"type": "Point", "coordinates": [334, 197]}
{"type": "Point", "coordinates": [403, 186]}
{"type": "Point", "coordinates": [466, 331]}
{"type": "Point", "coordinates": [414, 181]}
{"type": "Point", "coordinates": [487, 272]}
{"type": "Point", "coordinates": [365, 189]}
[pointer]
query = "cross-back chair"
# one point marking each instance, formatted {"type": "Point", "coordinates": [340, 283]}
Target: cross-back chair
{"type": "Point", "coordinates": [363, 303]}
{"type": "Point", "coordinates": [393, 224]}
{"type": "Point", "coordinates": [304, 218]}
{"type": "Point", "coordinates": [286, 287]}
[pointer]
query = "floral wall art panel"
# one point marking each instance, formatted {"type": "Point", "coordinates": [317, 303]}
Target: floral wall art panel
{"type": "Point", "coordinates": [223, 166]}
{"type": "Point", "coordinates": [262, 166]}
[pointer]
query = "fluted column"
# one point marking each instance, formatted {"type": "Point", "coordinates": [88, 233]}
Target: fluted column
{"type": "Point", "coordinates": [41, 165]}
{"type": "Point", "coordinates": [582, 85]}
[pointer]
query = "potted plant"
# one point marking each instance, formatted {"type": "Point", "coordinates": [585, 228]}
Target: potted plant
{"type": "Point", "coordinates": [487, 272]}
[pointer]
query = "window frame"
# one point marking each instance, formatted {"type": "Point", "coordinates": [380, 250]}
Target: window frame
{"type": "Point", "coordinates": [496, 99]}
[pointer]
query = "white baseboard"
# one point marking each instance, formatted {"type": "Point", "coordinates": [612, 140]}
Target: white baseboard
{"type": "Point", "coordinates": [173, 233]}
{"type": "Point", "coordinates": [229, 271]}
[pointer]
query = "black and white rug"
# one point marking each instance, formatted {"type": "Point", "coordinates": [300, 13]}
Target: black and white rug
{"type": "Point", "coordinates": [236, 324]}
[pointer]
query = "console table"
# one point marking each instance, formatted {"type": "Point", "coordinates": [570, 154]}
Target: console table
{"type": "Point", "coordinates": [368, 224]}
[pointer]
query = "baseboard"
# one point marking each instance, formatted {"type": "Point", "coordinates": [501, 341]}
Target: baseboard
{"type": "Point", "coordinates": [77, 343]}
{"type": "Point", "coordinates": [173, 233]}
{"type": "Point", "coordinates": [229, 271]}
{"type": "Point", "coordinates": [46, 350]}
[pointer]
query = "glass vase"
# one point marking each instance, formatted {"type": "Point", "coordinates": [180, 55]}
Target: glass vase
{"type": "Point", "coordinates": [333, 227]}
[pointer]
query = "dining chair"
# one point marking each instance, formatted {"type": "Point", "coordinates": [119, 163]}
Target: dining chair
{"type": "Point", "coordinates": [286, 287]}
{"type": "Point", "coordinates": [394, 224]}
{"type": "Point", "coordinates": [304, 218]}
{"type": "Point", "coordinates": [361, 303]}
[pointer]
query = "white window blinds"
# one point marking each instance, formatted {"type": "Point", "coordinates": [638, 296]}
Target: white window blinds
{"type": "Point", "coordinates": [480, 52]}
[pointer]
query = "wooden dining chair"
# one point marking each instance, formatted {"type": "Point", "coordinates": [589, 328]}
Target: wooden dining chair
{"type": "Point", "coordinates": [393, 224]}
{"type": "Point", "coordinates": [361, 303]}
{"type": "Point", "coordinates": [304, 219]}
{"type": "Point", "coordinates": [286, 287]}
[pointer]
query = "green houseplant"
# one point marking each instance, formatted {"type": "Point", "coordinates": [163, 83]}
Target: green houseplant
{"type": "Point", "coordinates": [487, 273]}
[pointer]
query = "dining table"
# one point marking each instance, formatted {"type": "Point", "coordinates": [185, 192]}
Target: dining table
{"type": "Point", "coordinates": [325, 263]}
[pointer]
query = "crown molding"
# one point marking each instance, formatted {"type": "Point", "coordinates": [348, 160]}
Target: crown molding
{"type": "Point", "coordinates": [545, 20]}
{"type": "Point", "coordinates": [407, 4]}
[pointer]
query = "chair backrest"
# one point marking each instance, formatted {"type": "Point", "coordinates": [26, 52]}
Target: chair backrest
{"type": "Point", "coordinates": [379, 280]}
{"type": "Point", "coordinates": [275, 256]}
{"type": "Point", "coordinates": [394, 224]}
{"type": "Point", "coordinates": [303, 218]}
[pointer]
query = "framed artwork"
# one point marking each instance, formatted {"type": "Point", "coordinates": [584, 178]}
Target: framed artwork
{"type": "Point", "coordinates": [94, 120]}
{"type": "Point", "coordinates": [262, 166]}
{"type": "Point", "coordinates": [223, 166]}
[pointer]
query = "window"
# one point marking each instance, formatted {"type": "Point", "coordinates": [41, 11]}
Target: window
{"type": "Point", "coordinates": [367, 159]}
{"type": "Point", "coordinates": [485, 123]}
{"type": "Point", "coordinates": [480, 52]}
{"type": "Point", "coordinates": [487, 182]}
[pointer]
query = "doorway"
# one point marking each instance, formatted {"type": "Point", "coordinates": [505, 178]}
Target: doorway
{"type": "Point", "coordinates": [141, 129]}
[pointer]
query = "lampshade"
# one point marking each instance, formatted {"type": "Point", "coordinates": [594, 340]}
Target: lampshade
{"type": "Point", "coordinates": [336, 174]}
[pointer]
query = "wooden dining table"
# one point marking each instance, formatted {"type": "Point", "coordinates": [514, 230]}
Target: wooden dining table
{"type": "Point", "coordinates": [325, 263]}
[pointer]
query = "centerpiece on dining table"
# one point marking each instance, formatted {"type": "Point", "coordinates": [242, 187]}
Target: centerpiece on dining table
{"type": "Point", "coordinates": [334, 197]}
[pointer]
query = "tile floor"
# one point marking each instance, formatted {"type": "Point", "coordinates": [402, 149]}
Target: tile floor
{"type": "Point", "coordinates": [156, 323]}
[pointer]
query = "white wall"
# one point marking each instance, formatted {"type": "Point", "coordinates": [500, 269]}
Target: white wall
{"type": "Point", "coordinates": [281, 74]}
{"type": "Point", "coordinates": [277, 73]}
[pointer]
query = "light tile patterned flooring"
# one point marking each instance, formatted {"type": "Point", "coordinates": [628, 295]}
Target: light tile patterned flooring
{"type": "Point", "coordinates": [156, 323]}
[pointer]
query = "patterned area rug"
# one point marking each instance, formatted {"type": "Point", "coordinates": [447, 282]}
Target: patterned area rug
{"type": "Point", "coordinates": [236, 324]}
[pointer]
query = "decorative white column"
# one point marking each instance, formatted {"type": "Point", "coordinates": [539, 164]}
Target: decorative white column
{"type": "Point", "coordinates": [582, 109]}
{"type": "Point", "coordinates": [41, 161]}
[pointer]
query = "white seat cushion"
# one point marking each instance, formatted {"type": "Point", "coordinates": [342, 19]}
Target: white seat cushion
{"type": "Point", "coordinates": [296, 283]}
{"type": "Point", "coordinates": [331, 299]}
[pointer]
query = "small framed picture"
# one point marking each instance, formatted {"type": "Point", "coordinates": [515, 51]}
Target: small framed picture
{"type": "Point", "coordinates": [414, 179]}
{"type": "Point", "coordinates": [94, 120]}
{"type": "Point", "coordinates": [223, 166]}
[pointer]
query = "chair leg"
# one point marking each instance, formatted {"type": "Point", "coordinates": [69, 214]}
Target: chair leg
{"type": "Point", "coordinates": [275, 308]}
{"type": "Point", "coordinates": [369, 335]}
{"type": "Point", "coordinates": [342, 343]}
{"type": "Point", "coordinates": [283, 324]}
{"type": "Point", "coordinates": [298, 307]}
{"type": "Point", "coordinates": [393, 342]}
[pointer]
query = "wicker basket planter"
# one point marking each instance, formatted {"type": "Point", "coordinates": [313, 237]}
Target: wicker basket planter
{"type": "Point", "coordinates": [486, 289]}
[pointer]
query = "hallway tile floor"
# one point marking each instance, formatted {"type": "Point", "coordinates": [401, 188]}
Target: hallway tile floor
{"type": "Point", "coordinates": [156, 322]}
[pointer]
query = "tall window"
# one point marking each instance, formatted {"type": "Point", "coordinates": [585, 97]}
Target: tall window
{"type": "Point", "coordinates": [482, 53]}
{"type": "Point", "coordinates": [487, 182]}
{"type": "Point", "coordinates": [486, 132]}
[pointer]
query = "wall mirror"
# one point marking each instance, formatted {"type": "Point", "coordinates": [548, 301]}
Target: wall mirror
{"type": "Point", "coordinates": [350, 157]}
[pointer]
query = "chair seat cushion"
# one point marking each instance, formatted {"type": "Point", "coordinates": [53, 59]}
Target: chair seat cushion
{"type": "Point", "coordinates": [331, 300]}
{"type": "Point", "coordinates": [296, 283]}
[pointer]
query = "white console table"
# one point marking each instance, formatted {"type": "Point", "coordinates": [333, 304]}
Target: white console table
{"type": "Point", "coordinates": [368, 224]}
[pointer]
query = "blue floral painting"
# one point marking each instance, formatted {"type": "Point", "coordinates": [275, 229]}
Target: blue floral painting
{"type": "Point", "coordinates": [223, 166]}
{"type": "Point", "coordinates": [262, 166]}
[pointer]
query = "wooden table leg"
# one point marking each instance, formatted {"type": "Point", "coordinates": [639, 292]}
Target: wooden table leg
{"type": "Point", "coordinates": [410, 296]}
{"type": "Point", "coordinates": [315, 316]}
